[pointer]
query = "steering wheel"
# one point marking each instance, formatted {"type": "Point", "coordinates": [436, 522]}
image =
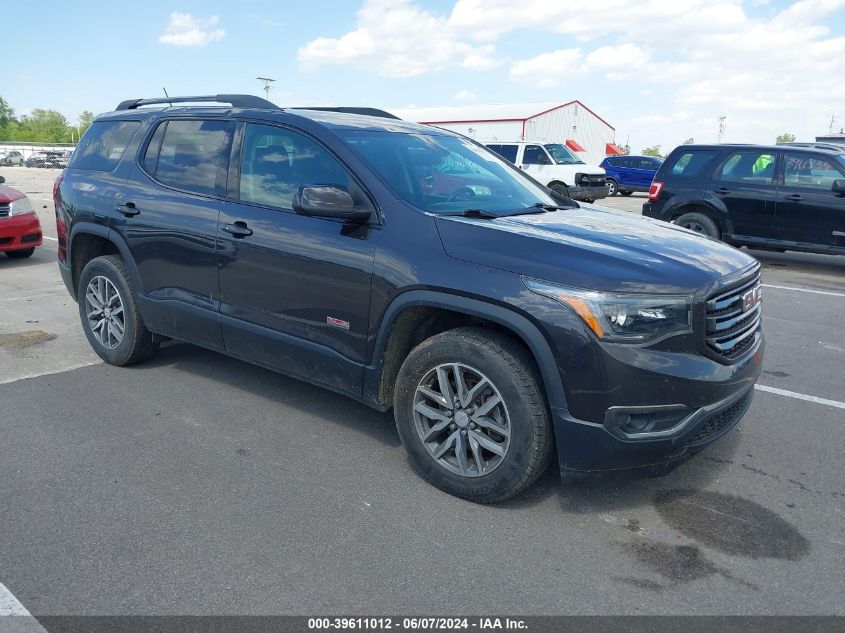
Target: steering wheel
{"type": "Point", "coordinates": [462, 193]}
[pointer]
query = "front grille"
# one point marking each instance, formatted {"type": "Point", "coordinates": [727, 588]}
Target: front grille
{"type": "Point", "coordinates": [4, 210]}
{"type": "Point", "coordinates": [721, 419]}
{"type": "Point", "coordinates": [591, 180]}
{"type": "Point", "coordinates": [733, 319]}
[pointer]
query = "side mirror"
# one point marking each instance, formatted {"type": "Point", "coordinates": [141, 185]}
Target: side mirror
{"type": "Point", "coordinates": [327, 201]}
{"type": "Point", "coordinates": [839, 186]}
{"type": "Point", "coordinates": [2, 180]}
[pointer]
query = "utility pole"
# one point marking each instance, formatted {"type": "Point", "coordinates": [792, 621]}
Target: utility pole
{"type": "Point", "coordinates": [267, 81]}
{"type": "Point", "coordinates": [832, 123]}
{"type": "Point", "coordinates": [722, 127]}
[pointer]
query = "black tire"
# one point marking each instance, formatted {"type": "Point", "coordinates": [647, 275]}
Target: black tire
{"type": "Point", "coordinates": [21, 254]}
{"type": "Point", "coordinates": [625, 193]}
{"type": "Point", "coordinates": [559, 187]}
{"type": "Point", "coordinates": [612, 187]}
{"type": "Point", "coordinates": [699, 223]}
{"type": "Point", "coordinates": [138, 343]}
{"type": "Point", "coordinates": [511, 369]}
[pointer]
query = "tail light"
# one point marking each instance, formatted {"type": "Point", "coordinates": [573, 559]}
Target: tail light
{"type": "Point", "coordinates": [654, 190]}
{"type": "Point", "coordinates": [61, 223]}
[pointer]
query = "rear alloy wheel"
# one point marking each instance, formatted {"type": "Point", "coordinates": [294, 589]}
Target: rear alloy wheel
{"type": "Point", "coordinates": [109, 313]}
{"type": "Point", "coordinates": [699, 223]}
{"type": "Point", "coordinates": [472, 415]}
{"type": "Point", "coordinates": [612, 187]}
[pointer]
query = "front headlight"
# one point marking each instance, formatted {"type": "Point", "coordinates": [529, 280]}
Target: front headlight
{"type": "Point", "coordinates": [20, 206]}
{"type": "Point", "coordinates": [631, 318]}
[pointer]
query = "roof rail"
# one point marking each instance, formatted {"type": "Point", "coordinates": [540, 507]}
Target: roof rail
{"type": "Point", "coordinates": [352, 110]}
{"type": "Point", "coordinates": [236, 101]}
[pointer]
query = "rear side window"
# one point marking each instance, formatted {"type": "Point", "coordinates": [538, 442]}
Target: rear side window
{"type": "Point", "coordinates": [690, 163]}
{"type": "Point", "coordinates": [103, 144]}
{"type": "Point", "coordinates": [190, 155]}
{"type": "Point", "coordinates": [508, 152]}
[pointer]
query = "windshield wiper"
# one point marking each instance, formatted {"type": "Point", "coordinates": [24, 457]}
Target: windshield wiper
{"type": "Point", "coordinates": [474, 213]}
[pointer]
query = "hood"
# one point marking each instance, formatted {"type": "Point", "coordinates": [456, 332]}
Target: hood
{"type": "Point", "coordinates": [593, 247]}
{"type": "Point", "coordinates": [8, 194]}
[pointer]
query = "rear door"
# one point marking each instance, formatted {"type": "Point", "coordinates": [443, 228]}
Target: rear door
{"type": "Point", "coordinates": [808, 210]}
{"type": "Point", "coordinates": [645, 169]}
{"type": "Point", "coordinates": [168, 217]}
{"type": "Point", "coordinates": [745, 184]}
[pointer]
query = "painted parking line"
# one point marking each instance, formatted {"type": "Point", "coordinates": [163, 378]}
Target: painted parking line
{"type": "Point", "coordinates": [815, 292]}
{"type": "Point", "coordinates": [60, 370]}
{"type": "Point", "coordinates": [52, 239]}
{"type": "Point", "coordinates": [23, 621]}
{"type": "Point", "coordinates": [801, 396]}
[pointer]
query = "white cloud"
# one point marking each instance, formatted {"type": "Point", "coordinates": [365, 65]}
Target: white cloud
{"type": "Point", "coordinates": [398, 39]}
{"type": "Point", "coordinates": [464, 95]}
{"type": "Point", "coordinates": [767, 75]}
{"type": "Point", "coordinates": [548, 69]}
{"type": "Point", "coordinates": [186, 30]}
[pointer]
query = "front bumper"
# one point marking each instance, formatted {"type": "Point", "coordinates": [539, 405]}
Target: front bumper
{"type": "Point", "coordinates": [20, 232]}
{"type": "Point", "coordinates": [699, 400]}
{"type": "Point", "coordinates": [588, 193]}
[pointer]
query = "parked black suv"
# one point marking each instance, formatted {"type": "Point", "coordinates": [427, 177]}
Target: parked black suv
{"type": "Point", "coordinates": [772, 197]}
{"type": "Point", "coordinates": [409, 268]}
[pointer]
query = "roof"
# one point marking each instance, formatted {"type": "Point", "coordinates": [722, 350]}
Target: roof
{"type": "Point", "coordinates": [485, 113]}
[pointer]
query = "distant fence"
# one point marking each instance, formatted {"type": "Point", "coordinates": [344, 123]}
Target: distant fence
{"type": "Point", "coordinates": [30, 148]}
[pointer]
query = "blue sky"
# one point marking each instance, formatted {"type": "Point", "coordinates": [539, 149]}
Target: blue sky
{"type": "Point", "coordinates": [659, 71]}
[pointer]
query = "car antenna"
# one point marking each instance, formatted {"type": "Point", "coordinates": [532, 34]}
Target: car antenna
{"type": "Point", "coordinates": [166, 95]}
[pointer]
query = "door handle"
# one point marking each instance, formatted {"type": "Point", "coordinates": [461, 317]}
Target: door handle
{"type": "Point", "coordinates": [128, 209]}
{"type": "Point", "coordinates": [793, 196]}
{"type": "Point", "coordinates": [238, 229]}
{"type": "Point", "coordinates": [722, 191]}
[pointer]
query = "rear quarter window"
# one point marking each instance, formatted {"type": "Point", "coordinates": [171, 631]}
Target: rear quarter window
{"type": "Point", "coordinates": [103, 145]}
{"type": "Point", "coordinates": [689, 163]}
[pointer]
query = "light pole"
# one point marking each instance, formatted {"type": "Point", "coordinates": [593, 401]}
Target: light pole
{"type": "Point", "coordinates": [267, 81]}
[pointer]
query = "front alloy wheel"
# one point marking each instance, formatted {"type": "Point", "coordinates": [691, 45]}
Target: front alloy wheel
{"type": "Point", "coordinates": [462, 420]}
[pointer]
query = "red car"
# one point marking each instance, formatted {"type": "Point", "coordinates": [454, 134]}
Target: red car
{"type": "Point", "coordinates": [20, 230]}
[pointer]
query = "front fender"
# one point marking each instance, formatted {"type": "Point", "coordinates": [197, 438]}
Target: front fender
{"type": "Point", "coordinates": [501, 315]}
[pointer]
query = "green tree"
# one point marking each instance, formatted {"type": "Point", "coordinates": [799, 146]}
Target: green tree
{"type": "Point", "coordinates": [7, 119]}
{"type": "Point", "coordinates": [689, 141]}
{"type": "Point", "coordinates": [652, 151]}
{"type": "Point", "coordinates": [85, 120]}
{"type": "Point", "coordinates": [786, 137]}
{"type": "Point", "coordinates": [47, 126]}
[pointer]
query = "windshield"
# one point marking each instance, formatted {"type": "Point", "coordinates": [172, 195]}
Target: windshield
{"type": "Point", "coordinates": [841, 160]}
{"type": "Point", "coordinates": [561, 154]}
{"type": "Point", "coordinates": [445, 174]}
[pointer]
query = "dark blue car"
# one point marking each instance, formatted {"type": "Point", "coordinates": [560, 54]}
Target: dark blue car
{"type": "Point", "coordinates": [627, 174]}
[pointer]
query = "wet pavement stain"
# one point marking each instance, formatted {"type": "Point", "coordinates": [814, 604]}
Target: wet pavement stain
{"type": "Point", "coordinates": [676, 563]}
{"type": "Point", "coordinates": [731, 524]}
{"type": "Point", "coordinates": [19, 341]}
{"type": "Point", "coordinates": [640, 583]}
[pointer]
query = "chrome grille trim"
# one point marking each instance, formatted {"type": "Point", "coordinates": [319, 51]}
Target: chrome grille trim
{"type": "Point", "coordinates": [731, 329]}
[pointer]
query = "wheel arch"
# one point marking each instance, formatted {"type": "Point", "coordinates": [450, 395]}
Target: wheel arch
{"type": "Point", "coordinates": [719, 215]}
{"type": "Point", "coordinates": [412, 317]}
{"type": "Point", "coordinates": [88, 241]}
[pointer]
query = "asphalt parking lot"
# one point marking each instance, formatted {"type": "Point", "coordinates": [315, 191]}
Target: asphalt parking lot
{"type": "Point", "coordinates": [198, 484]}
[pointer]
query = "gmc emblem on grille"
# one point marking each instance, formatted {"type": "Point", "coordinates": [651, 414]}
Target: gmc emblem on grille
{"type": "Point", "coordinates": [751, 298]}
